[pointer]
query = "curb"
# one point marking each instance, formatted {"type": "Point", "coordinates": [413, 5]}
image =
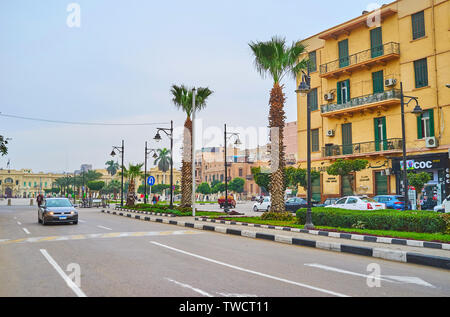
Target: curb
{"type": "Point", "coordinates": [348, 236]}
{"type": "Point", "coordinates": [392, 255]}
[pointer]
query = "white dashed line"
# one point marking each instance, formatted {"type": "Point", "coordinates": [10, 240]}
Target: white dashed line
{"type": "Point", "coordinates": [106, 228]}
{"type": "Point", "coordinates": [26, 231]}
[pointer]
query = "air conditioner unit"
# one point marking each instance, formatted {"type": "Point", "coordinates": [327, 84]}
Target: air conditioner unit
{"type": "Point", "coordinates": [330, 133]}
{"type": "Point", "coordinates": [431, 142]}
{"type": "Point", "coordinates": [329, 96]}
{"type": "Point", "coordinates": [390, 82]}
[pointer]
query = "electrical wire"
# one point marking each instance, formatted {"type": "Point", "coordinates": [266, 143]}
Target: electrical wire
{"type": "Point", "coordinates": [81, 123]}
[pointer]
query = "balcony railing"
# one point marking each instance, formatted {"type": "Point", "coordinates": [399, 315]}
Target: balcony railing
{"type": "Point", "coordinates": [363, 100]}
{"type": "Point", "coordinates": [362, 148]}
{"type": "Point", "coordinates": [361, 57]}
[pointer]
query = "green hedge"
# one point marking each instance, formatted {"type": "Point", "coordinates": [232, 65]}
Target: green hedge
{"type": "Point", "coordinates": [411, 221]}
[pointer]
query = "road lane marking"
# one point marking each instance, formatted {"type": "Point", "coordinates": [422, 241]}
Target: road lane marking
{"type": "Point", "coordinates": [83, 221]}
{"type": "Point", "coordinates": [190, 287]}
{"type": "Point", "coordinates": [19, 223]}
{"type": "Point", "coordinates": [385, 278]}
{"type": "Point", "coordinates": [99, 236]}
{"type": "Point", "coordinates": [58, 269]}
{"type": "Point", "coordinates": [250, 271]}
{"type": "Point", "coordinates": [106, 228]}
{"type": "Point", "coordinates": [26, 231]}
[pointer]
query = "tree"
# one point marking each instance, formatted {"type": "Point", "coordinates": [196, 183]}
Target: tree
{"type": "Point", "coordinates": [276, 59]}
{"type": "Point", "coordinates": [262, 179]}
{"type": "Point", "coordinates": [132, 173]}
{"type": "Point", "coordinates": [96, 186]}
{"type": "Point", "coordinates": [299, 177]}
{"type": "Point", "coordinates": [3, 147]}
{"type": "Point", "coordinates": [218, 188]}
{"type": "Point", "coordinates": [237, 185]}
{"type": "Point", "coordinates": [346, 168]}
{"type": "Point", "coordinates": [418, 181]}
{"type": "Point", "coordinates": [163, 161]}
{"type": "Point", "coordinates": [113, 187]}
{"type": "Point", "coordinates": [204, 189]}
{"type": "Point", "coordinates": [182, 99]}
{"type": "Point", "coordinates": [112, 167]}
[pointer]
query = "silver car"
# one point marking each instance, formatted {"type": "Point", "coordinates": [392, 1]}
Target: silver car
{"type": "Point", "coordinates": [57, 210]}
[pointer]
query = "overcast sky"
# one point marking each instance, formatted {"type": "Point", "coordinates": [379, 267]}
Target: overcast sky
{"type": "Point", "coordinates": [118, 66]}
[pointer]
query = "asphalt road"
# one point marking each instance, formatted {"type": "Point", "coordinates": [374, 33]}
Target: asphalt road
{"type": "Point", "coordinates": [118, 256]}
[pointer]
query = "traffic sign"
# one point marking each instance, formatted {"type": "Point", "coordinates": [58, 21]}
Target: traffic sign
{"type": "Point", "coordinates": [151, 180]}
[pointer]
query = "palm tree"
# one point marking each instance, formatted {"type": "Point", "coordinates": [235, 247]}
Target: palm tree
{"type": "Point", "coordinates": [276, 59]}
{"type": "Point", "coordinates": [112, 167]}
{"type": "Point", "coordinates": [163, 161]}
{"type": "Point", "coordinates": [132, 173]}
{"type": "Point", "coordinates": [182, 99]}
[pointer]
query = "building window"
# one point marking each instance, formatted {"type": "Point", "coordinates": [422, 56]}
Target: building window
{"type": "Point", "coordinates": [418, 25]}
{"type": "Point", "coordinates": [343, 91]}
{"type": "Point", "coordinates": [376, 42]}
{"type": "Point", "coordinates": [421, 73]}
{"type": "Point", "coordinates": [312, 62]}
{"type": "Point", "coordinates": [425, 124]}
{"type": "Point", "coordinates": [315, 140]}
{"type": "Point", "coordinates": [378, 82]}
{"type": "Point", "coordinates": [24, 184]}
{"type": "Point", "coordinates": [29, 184]}
{"type": "Point", "coordinates": [380, 134]}
{"type": "Point", "coordinates": [312, 100]}
{"type": "Point", "coordinates": [343, 53]}
{"type": "Point", "coordinates": [241, 172]}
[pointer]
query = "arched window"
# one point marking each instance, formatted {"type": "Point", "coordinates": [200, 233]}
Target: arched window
{"type": "Point", "coordinates": [9, 181]}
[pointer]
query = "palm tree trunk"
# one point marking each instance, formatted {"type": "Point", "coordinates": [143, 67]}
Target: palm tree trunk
{"type": "Point", "coordinates": [186, 167]}
{"type": "Point", "coordinates": [276, 122]}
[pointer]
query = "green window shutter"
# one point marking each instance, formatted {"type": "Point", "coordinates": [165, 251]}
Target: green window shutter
{"type": "Point", "coordinates": [347, 147]}
{"type": "Point", "coordinates": [312, 99]}
{"type": "Point", "coordinates": [431, 112]}
{"type": "Point", "coordinates": [377, 82]}
{"type": "Point", "coordinates": [421, 73]}
{"type": "Point", "coordinates": [312, 62]}
{"type": "Point", "coordinates": [384, 133]}
{"type": "Point", "coordinates": [376, 42]}
{"type": "Point", "coordinates": [377, 135]}
{"type": "Point", "coordinates": [419, 127]}
{"type": "Point", "coordinates": [418, 25]}
{"type": "Point", "coordinates": [315, 140]}
{"type": "Point", "coordinates": [343, 53]}
{"type": "Point", "coordinates": [339, 97]}
{"type": "Point", "coordinates": [347, 82]}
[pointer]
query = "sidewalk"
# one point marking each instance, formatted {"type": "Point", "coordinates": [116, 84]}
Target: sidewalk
{"type": "Point", "coordinates": [396, 252]}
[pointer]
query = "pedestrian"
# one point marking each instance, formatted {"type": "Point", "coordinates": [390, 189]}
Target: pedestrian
{"type": "Point", "coordinates": [40, 199]}
{"type": "Point", "coordinates": [154, 199]}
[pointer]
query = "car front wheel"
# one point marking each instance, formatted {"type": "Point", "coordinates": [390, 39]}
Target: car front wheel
{"type": "Point", "coordinates": [255, 209]}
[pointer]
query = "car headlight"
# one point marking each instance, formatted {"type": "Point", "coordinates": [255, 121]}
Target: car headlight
{"type": "Point", "coordinates": [50, 213]}
{"type": "Point", "coordinates": [73, 212]}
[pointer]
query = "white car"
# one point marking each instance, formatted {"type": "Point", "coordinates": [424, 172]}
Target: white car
{"type": "Point", "coordinates": [262, 206]}
{"type": "Point", "coordinates": [441, 207]}
{"type": "Point", "coordinates": [357, 203]}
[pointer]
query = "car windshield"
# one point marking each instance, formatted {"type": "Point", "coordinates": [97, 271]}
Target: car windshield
{"type": "Point", "coordinates": [368, 200]}
{"type": "Point", "coordinates": [58, 203]}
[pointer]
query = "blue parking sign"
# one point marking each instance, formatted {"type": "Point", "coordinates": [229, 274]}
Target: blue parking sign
{"type": "Point", "coordinates": [151, 180]}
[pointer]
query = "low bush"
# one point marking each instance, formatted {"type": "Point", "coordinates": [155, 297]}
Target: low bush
{"type": "Point", "coordinates": [411, 221]}
{"type": "Point", "coordinates": [278, 216]}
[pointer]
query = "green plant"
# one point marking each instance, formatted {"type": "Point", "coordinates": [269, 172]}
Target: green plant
{"type": "Point", "coordinates": [278, 216]}
{"type": "Point", "coordinates": [359, 225]}
{"type": "Point", "coordinates": [418, 181]}
{"type": "Point", "coordinates": [346, 168]}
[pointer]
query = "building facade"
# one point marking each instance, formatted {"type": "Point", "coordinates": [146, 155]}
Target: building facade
{"type": "Point", "coordinates": [357, 69]}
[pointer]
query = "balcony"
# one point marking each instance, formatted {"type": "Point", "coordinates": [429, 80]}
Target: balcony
{"type": "Point", "coordinates": [363, 148]}
{"type": "Point", "coordinates": [362, 60]}
{"type": "Point", "coordinates": [368, 102]}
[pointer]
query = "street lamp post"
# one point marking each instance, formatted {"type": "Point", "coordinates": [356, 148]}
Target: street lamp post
{"type": "Point", "coordinates": [157, 138]}
{"type": "Point", "coordinates": [193, 151]}
{"type": "Point", "coordinates": [147, 151]}
{"type": "Point", "coordinates": [417, 111]}
{"type": "Point", "coordinates": [305, 88]}
{"type": "Point", "coordinates": [120, 149]}
{"type": "Point", "coordinates": [226, 137]}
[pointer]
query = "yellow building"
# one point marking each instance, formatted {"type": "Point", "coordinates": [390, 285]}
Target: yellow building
{"type": "Point", "coordinates": [356, 71]}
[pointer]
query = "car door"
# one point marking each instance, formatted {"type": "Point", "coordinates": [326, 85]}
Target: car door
{"type": "Point", "coordinates": [340, 203]}
{"type": "Point", "coordinates": [352, 203]}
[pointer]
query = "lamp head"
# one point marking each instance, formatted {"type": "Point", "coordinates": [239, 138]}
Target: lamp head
{"type": "Point", "coordinates": [113, 153]}
{"type": "Point", "coordinates": [157, 137]}
{"type": "Point", "coordinates": [417, 110]}
{"type": "Point", "coordinates": [303, 88]}
{"type": "Point", "coordinates": [238, 142]}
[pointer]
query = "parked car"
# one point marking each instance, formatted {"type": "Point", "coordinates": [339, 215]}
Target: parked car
{"type": "Point", "coordinates": [231, 202]}
{"type": "Point", "coordinates": [57, 210]}
{"type": "Point", "coordinates": [295, 203]}
{"type": "Point", "coordinates": [327, 202]}
{"type": "Point", "coordinates": [357, 203]}
{"type": "Point", "coordinates": [391, 201]}
{"type": "Point", "coordinates": [441, 207]}
{"type": "Point", "coordinates": [263, 205]}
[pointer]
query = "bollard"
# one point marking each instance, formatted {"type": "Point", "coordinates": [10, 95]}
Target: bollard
{"type": "Point", "coordinates": [9, 202]}
{"type": "Point", "coordinates": [31, 202]}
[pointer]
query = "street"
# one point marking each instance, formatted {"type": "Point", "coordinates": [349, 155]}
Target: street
{"type": "Point", "coordinates": [118, 256]}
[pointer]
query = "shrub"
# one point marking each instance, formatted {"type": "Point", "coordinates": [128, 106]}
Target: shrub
{"type": "Point", "coordinates": [411, 221]}
{"type": "Point", "coordinates": [279, 216]}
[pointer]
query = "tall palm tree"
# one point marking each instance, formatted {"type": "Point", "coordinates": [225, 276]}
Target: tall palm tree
{"type": "Point", "coordinates": [132, 173]}
{"type": "Point", "coordinates": [112, 167]}
{"type": "Point", "coordinates": [276, 59]}
{"type": "Point", "coordinates": [182, 99]}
